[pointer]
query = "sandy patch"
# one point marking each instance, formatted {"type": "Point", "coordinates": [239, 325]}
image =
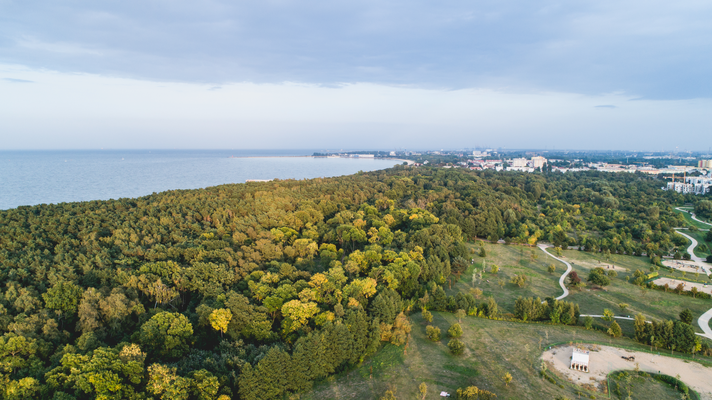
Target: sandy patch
{"type": "Point", "coordinates": [608, 359]}
{"type": "Point", "coordinates": [686, 285]}
{"type": "Point", "coordinates": [687, 266]}
{"type": "Point", "coordinates": [591, 265]}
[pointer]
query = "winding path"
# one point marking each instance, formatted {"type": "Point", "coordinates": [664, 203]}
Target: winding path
{"type": "Point", "coordinates": [563, 277]}
{"type": "Point", "coordinates": [704, 320]}
{"type": "Point", "coordinates": [692, 215]}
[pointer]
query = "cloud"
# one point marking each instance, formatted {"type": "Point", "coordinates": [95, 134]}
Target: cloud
{"type": "Point", "coordinates": [606, 106]}
{"type": "Point", "coordinates": [13, 80]}
{"type": "Point", "coordinates": [94, 111]}
{"type": "Point", "coordinates": [651, 48]}
{"type": "Point", "coordinates": [215, 88]}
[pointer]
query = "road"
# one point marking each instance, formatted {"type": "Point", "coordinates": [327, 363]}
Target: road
{"type": "Point", "coordinates": [563, 277]}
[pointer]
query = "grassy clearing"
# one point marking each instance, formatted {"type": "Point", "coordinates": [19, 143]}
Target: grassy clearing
{"type": "Point", "coordinates": [492, 349]}
{"type": "Point", "coordinates": [640, 388]}
{"type": "Point", "coordinates": [653, 304]}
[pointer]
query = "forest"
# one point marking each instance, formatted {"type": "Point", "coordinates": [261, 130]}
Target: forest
{"type": "Point", "coordinates": [258, 290]}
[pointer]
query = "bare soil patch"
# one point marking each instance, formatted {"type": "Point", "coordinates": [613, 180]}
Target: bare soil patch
{"type": "Point", "coordinates": [687, 266]}
{"type": "Point", "coordinates": [687, 286]}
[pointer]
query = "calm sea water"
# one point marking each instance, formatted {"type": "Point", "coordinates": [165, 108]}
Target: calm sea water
{"type": "Point", "coordinates": [37, 177]}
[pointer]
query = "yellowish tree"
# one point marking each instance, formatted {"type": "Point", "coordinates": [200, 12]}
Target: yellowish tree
{"type": "Point", "coordinates": [220, 319]}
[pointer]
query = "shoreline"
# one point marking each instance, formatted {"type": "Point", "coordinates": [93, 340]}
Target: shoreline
{"type": "Point", "coordinates": [401, 160]}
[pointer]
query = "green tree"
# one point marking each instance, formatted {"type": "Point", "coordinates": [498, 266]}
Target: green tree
{"type": "Point", "coordinates": [686, 316]}
{"type": "Point", "coordinates": [615, 330]}
{"type": "Point", "coordinates": [427, 315]}
{"type": "Point", "coordinates": [588, 322]}
{"type": "Point", "coordinates": [166, 384]}
{"type": "Point", "coordinates": [455, 331]}
{"type": "Point", "coordinates": [607, 315]}
{"type": "Point", "coordinates": [63, 297]}
{"type": "Point", "coordinates": [456, 347]}
{"type": "Point", "coordinates": [551, 268]}
{"type": "Point", "coordinates": [459, 314]}
{"type": "Point", "coordinates": [433, 333]}
{"type": "Point", "coordinates": [167, 335]}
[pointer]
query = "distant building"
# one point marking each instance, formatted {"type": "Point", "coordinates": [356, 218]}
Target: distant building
{"type": "Point", "coordinates": [366, 156]}
{"type": "Point", "coordinates": [704, 164]}
{"type": "Point", "coordinates": [393, 153]}
{"type": "Point", "coordinates": [538, 162]}
{"type": "Point", "coordinates": [518, 162]}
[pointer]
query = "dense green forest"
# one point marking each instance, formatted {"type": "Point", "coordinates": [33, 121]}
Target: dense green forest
{"type": "Point", "coordinates": [252, 291]}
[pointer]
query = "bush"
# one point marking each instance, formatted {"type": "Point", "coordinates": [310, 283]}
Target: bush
{"type": "Point", "coordinates": [432, 332]}
{"type": "Point", "coordinates": [598, 277]}
{"type": "Point", "coordinates": [455, 331]}
{"type": "Point", "coordinates": [456, 347]}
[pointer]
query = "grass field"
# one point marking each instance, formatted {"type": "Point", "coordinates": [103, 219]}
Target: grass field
{"type": "Point", "coordinates": [515, 260]}
{"type": "Point", "coordinates": [492, 349]}
{"type": "Point", "coordinates": [641, 388]}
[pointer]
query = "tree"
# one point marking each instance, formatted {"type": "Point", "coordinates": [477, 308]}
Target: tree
{"type": "Point", "coordinates": [433, 333]}
{"type": "Point", "coordinates": [615, 330]}
{"type": "Point", "coordinates": [63, 297]}
{"type": "Point", "coordinates": [167, 335]}
{"type": "Point", "coordinates": [459, 314]}
{"type": "Point", "coordinates": [482, 252]}
{"type": "Point", "coordinates": [455, 331]}
{"type": "Point", "coordinates": [574, 279]}
{"type": "Point", "coordinates": [703, 208]}
{"type": "Point", "coordinates": [494, 269]}
{"type": "Point", "coordinates": [427, 315]}
{"type": "Point", "coordinates": [474, 393]}
{"type": "Point", "coordinates": [623, 306]}
{"type": "Point", "coordinates": [588, 322]}
{"type": "Point", "coordinates": [686, 316]}
{"type": "Point", "coordinates": [551, 268]}
{"type": "Point", "coordinates": [458, 266]}
{"type": "Point", "coordinates": [507, 378]}
{"type": "Point", "coordinates": [607, 315]}
{"type": "Point", "coordinates": [389, 395]}
{"type": "Point", "coordinates": [456, 347]}
{"type": "Point", "coordinates": [423, 388]}
{"type": "Point", "coordinates": [519, 280]}
{"type": "Point", "coordinates": [220, 319]}
{"type": "Point", "coordinates": [598, 277]}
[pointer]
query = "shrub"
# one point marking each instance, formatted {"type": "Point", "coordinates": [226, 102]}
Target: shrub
{"type": "Point", "coordinates": [456, 347]}
{"type": "Point", "coordinates": [432, 332]}
{"type": "Point", "coordinates": [455, 331]}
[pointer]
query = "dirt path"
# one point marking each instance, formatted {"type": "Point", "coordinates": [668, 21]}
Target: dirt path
{"type": "Point", "coordinates": [563, 277]}
{"type": "Point", "coordinates": [608, 359]}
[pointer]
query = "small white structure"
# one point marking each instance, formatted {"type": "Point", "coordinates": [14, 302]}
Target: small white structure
{"type": "Point", "coordinates": [579, 360]}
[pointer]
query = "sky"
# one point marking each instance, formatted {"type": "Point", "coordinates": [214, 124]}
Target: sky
{"type": "Point", "coordinates": [605, 74]}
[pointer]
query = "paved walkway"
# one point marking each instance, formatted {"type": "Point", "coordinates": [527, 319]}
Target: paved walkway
{"type": "Point", "coordinates": [563, 277]}
{"type": "Point", "coordinates": [692, 215]}
{"type": "Point", "coordinates": [691, 251]}
{"type": "Point", "coordinates": [704, 320]}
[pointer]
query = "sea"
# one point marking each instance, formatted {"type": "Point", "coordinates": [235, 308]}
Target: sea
{"type": "Point", "coordinates": [44, 177]}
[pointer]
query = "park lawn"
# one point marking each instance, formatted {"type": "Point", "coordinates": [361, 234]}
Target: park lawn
{"type": "Point", "coordinates": [492, 349]}
{"type": "Point", "coordinates": [641, 388]}
{"type": "Point", "coordinates": [512, 260]}
{"type": "Point", "coordinates": [690, 221]}
{"type": "Point", "coordinates": [653, 304]}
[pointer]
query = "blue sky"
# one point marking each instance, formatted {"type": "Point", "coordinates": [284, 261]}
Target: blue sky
{"type": "Point", "coordinates": [368, 74]}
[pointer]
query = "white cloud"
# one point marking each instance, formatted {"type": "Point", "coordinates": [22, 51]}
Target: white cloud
{"type": "Point", "coordinates": [92, 111]}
